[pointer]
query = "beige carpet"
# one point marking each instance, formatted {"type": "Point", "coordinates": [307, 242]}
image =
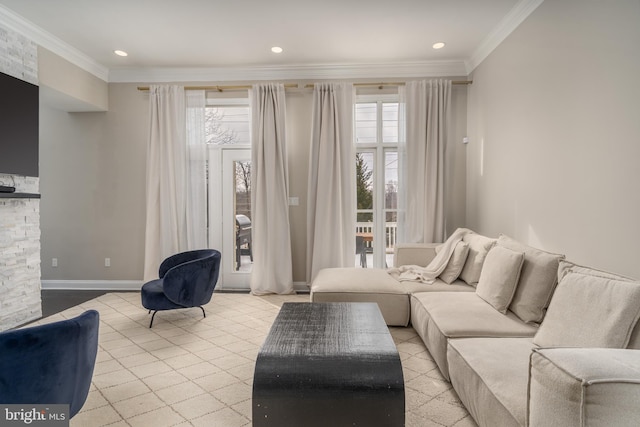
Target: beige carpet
{"type": "Point", "coordinates": [190, 371]}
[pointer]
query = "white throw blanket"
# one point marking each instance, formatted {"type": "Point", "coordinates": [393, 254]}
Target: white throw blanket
{"type": "Point", "coordinates": [428, 274]}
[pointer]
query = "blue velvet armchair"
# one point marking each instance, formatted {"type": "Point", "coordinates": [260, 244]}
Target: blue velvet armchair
{"type": "Point", "coordinates": [49, 364]}
{"type": "Point", "coordinates": [186, 280]}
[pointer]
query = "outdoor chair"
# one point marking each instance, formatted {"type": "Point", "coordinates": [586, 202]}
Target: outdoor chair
{"type": "Point", "coordinates": [362, 251]}
{"type": "Point", "coordinates": [49, 364]}
{"type": "Point", "coordinates": [185, 280]}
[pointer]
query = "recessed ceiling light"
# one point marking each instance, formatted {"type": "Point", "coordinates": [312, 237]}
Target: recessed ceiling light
{"type": "Point", "coordinates": [276, 49]}
{"type": "Point", "coordinates": [438, 45]}
{"type": "Point", "coordinates": [120, 53]}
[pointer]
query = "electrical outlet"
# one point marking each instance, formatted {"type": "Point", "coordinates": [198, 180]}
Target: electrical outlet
{"type": "Point", "coordinates": [54, 262]}
{"type": "Point", "coordinates": [107, 262]}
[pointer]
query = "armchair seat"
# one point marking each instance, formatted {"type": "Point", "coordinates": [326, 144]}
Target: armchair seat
{"type": "Point", "coordinates": [185, 280]}
{"type": "Point", "coordinates": [154, 296]}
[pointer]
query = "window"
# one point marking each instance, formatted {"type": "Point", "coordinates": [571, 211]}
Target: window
{"type": "Point", "coordinates": [376, 134]}
{"type": "Point", "coordinates": [228, 122]}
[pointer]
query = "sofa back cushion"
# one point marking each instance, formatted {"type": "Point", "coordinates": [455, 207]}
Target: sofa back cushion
{"type": "Point", "coordinates": [590, 311]}
{"type": "Point", "coordinates": [479, 247]}
{"type": "Point", "coordinates": [538, 279]}
{"type": "Point", "coordinates": [567, 267]}
{"type": "Point", "coordinates": [499, 277]}
{"type": "Point", "coordinates": [456, 263]}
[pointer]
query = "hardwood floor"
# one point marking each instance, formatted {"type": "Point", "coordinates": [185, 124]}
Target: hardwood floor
{"type": "Point", "coordinates": [55, 301]}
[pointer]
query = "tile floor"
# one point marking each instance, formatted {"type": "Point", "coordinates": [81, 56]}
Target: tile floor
{"type": "Point", "coordinates": [194, 371]}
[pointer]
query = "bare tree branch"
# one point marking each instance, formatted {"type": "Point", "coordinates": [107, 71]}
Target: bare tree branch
{"type": "Point", "coordinates": [214, 132]}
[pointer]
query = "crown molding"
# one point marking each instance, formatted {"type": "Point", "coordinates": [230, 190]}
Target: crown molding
{"type": "Point", "coordinates": [48, 41]}
{"type": "Point", "coordinates": [510, 22]}
{"type": "Point", "coordinates": [290, 72]}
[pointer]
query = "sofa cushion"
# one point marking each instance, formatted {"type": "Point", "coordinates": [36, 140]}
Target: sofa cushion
{"type": "Point", "coordinates": [456, 263]}
{"type": "Point", "coordinates": [499, 277]}
{"type": "Point", "coordinates": [490, 376]}
{"type": "Point", "coordinates": [439, 316]}
{"type": "Point", "coordinates": [364, 285]}
{"type": "Point", "coordinates": [597, 386]}
{"type": "Point", "coordinates": [567, 267]}
{"type": "Point", "coordinates": [420, 254]}
{"type": "Point", "coordinates": [590, 311]}
{"type": "Point", "coordinates": [479, 246]}
{"type": "Point", "coordinates": [438, 286]}
{"type": "Point", "coordinates": [352, 279]}
{"type": "Point", "coordinates": [538, 279]}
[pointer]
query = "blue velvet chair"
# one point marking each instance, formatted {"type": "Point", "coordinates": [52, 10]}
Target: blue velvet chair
{"type": "Point", "coordinates": [49, 364]}
{"type": "Point", "coordinates": [186, 280]}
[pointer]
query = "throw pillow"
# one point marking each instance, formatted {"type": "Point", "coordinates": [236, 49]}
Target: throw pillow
{"type": "Point", "coordinates": [499, 277]}
{"type": "Point", "coordinates": [538, 279]}
{"type": "Point", "coordinates": [479, 246]}
{"type": "Point", "coordinates": [456, 262]}
{"type": "Point", "coordinates": [590, 311]}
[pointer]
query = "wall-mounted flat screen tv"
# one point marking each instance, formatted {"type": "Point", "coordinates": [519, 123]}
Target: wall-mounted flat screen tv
{"type": "Point", "coordinates": [19, 102]}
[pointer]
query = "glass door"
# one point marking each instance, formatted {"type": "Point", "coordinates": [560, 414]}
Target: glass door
{"type": "Point", "coordinates": [376, 133]}
{"type": "Point", "coordinates": [231, 214]}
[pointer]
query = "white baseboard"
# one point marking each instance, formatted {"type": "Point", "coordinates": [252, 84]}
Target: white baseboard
{"type": "Point", "coordinates": [301, 286]}
{"type": "Point", "coordinates": [122, 285]}
{"type": "Point", "coordinates": [93, 285]}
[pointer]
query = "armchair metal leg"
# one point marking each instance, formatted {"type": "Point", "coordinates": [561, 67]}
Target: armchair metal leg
{"type": "Point", "coordinates": [154, 315]}
{"type": "Point", "coordinates": [155, 312]}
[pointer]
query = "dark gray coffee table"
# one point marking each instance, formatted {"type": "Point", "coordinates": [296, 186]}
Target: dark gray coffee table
{"type": "Point", "coordinates": [328, 364]}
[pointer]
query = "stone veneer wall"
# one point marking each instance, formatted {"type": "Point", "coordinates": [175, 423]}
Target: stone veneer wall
{"type": "Point", "coordinates": [19, 218]}
{"type": "Point", "coordinates": [19, 255]}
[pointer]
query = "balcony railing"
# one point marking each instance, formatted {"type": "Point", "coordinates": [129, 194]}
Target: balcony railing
{"type": "Point", "coordinates": [391, 229]}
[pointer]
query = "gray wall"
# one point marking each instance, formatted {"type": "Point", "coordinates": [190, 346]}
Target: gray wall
{"type": "Point", "coordinates": [553, 122]}
{"type": "Point", "coordinates": [93, 184]}
{"type": "Point", "coordinates": [92, 171]}
{"type": "Point", "coordinates": [68, 86]}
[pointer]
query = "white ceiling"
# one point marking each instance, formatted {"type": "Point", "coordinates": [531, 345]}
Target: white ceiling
{"type": "Point", "coordinates": [191, 37]}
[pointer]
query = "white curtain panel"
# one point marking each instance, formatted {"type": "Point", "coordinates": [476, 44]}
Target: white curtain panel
{"type": "Point", "coordinates": [271, 240]}
{"type": "Point", "coordinates": [425, 107]}
{"type": "Point", "coordinates": [196, 203]}
{"type": "Point", "coordinates": [166, 158]}
{"type": "Point", "coordinates": [331, 204]}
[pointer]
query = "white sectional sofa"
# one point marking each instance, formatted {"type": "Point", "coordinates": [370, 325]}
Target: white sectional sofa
{"type": "Point", "coordinates": [525, 337]}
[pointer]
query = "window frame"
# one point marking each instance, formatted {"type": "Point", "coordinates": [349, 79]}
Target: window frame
{"type": "Point", "coordinates": [379, 150]}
